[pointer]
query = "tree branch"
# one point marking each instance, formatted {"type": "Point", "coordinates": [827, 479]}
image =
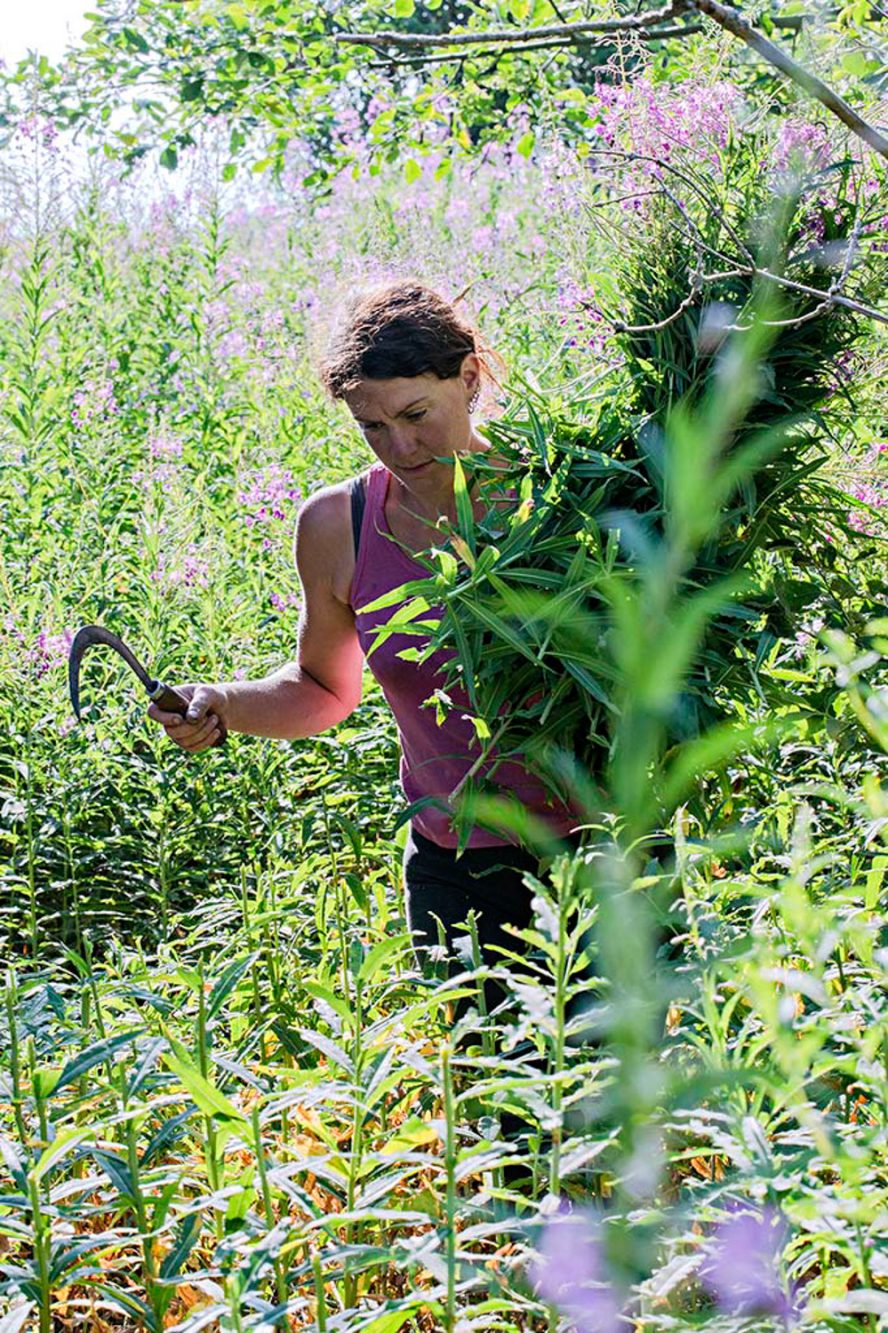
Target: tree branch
{"type": "Point", "coordinates": [550, 44]}
{"type": "Point", "coordinates": [567, 32]}
{"type": "Point", "coordinates": [739, 26]}
{"type": "Point", "coordinates": [644, 25]}
{"type": "Point", "coordinates": [747, 267]}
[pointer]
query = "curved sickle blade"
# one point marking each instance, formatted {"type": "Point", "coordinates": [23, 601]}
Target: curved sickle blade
{"type": "Point", "coordinates": [85, 638]}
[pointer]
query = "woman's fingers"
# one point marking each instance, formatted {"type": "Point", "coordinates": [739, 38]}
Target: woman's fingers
{"type": "Point", "coordinates": [200, 727]}
{"type": "Point", "coordinates": [193, 736]}
{"type": "Point", "coordinates": [163, 715]}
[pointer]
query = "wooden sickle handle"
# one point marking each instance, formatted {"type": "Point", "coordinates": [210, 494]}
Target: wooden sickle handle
{"type": "Point", "coordinates": [175, 702]}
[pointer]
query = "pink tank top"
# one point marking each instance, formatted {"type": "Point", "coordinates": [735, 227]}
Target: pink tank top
{"type": "Point", "coordinates": [434, 759]}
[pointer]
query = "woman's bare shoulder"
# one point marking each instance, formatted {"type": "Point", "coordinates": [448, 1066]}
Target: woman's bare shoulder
{"type": "Point", "coordinates": [323, 545]}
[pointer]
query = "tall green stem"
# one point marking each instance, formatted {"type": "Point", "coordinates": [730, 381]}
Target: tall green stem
{"type": "Point", "coordinates": [450, 1151]}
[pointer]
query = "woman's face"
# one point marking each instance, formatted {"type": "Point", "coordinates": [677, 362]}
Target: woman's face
{"type": "Point", "coordinates": [412, 421]}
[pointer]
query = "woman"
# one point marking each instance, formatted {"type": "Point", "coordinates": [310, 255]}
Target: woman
{"type": "Point", "coordinates": [410, 371]}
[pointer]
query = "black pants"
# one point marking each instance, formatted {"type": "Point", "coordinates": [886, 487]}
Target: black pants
{"type": "Point", "coordinates": [441, 886]}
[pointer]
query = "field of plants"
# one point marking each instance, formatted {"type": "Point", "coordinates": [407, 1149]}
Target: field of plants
{"type": "Point", "coordinates": [229, 1097]}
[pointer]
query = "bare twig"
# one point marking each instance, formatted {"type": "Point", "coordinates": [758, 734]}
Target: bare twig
{"type": "Point", "coordinates": [693, 294]}
{"type": "Point", "coordinates": [832, 296]}
{"type": "Point", "coordinates": [829, 297]}
{"type": "Point", "coordinates": [750, 268]}
{"type": "Point", "coordinates": [621, 198]}
{"type": "Point", "coordinates": [701, 193]}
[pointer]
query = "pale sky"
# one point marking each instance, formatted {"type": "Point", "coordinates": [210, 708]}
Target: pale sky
{"type": "Point", "coordinates": [48, 25]}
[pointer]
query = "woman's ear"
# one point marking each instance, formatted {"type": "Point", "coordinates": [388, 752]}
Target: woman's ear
{"type": "Point", "coordinates": [470, 373]}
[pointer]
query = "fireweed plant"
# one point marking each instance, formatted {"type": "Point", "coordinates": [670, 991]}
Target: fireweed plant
{"type": "Point", "coordinates": [600, 479]}
{"type": "Point", "coordinates": [227, 1098]}
{"type": "Point", "coordinates": [635, 592]}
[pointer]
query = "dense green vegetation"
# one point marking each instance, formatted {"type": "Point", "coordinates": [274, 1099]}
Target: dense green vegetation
{"type": "Point", "coordinates": [227, 1096]}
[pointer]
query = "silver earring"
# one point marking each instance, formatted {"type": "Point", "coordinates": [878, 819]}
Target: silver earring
{"type": "Point", "coordinates": [474, 401]}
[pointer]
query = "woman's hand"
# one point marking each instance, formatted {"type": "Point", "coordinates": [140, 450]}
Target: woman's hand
{"type": "Point", "coordinates": [199, 729]}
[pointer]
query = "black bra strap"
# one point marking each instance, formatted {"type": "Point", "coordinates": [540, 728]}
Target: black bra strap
{"type": "Point", "coordinates": [358, 492]}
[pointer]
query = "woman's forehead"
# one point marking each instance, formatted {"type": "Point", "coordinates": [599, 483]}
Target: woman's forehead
{"type": "Point", "coordinates": [390, 397]}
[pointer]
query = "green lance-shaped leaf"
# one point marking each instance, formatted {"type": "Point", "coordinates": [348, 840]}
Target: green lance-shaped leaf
{"type": "Point", "coordinates": [697, 439]}
{"type": "Point", "coordinates": [448, 567]}
{"type": "Point", "coordinates": [465, 654]}
{"type": "Point", "coordinates": [391, 1322]}
{"type": "Point", "coordinates": [144, 1066]}
{"type": "Point", "coordinates": [66, 1256]}
{"type": "Point", "coordinates": [17, 1317]}
{"type": "Point", "coordinates": [117, 1171]}
{"type": "Point", "coordinates": [205, 1096]}
{"type": "Point", "coordinates": [465, 517]}
{"type": "Point", "coordinates": [655, 653]}
{"type": "Point", "coordinates": [129, 1303]}
{"type": "Point", "coordinates": [58, 1150]}
{"type": "Point", "coordinates": [96, 1054]}
{"type": "Point", "coordinates": [14, 1159]}
{"type": "Point", "coordinates": [540, 437]}
{"type": "Point", "coordinates": [708, 753]}
{"type": "Point", "coordinates": [228, 982]}
{"type": "Point", "coordinates": [186, 1238]}
{"type": "Point", "coordinates": [379, 955]}
{"type": "Point", "coordinates": [169, 1133]}
{"type": "Point", "coordinates": [335, 1054]}
{"type": "Point", "coordinates": [414, 588]}
{"type": "Point", "coordinates": [405, 622]}
{"type": "Point", "coordinates": [491, 621]}
{"type": "Point", "coordinates": [329, 997]}
{"type": "Point", "coordinates": [585, 678]}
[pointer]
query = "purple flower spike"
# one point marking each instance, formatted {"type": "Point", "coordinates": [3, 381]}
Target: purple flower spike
{"type": "Point", "coordinates": [572, 1273]}
{"type": "Point", "coordinates": [742, 1269]}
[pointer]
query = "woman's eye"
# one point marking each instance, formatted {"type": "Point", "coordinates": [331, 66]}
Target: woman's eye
{"type": "Point", "coordinates": [416, 416]}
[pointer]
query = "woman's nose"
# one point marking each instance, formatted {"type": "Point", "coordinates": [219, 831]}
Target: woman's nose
{"type": "Point", "coordinates": [401, 438]}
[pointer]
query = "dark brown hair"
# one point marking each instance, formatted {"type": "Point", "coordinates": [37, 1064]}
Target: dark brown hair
{"type": "Point", "coordinates": [401, 330]}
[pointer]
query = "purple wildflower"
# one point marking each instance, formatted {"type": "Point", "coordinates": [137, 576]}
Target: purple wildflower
{"type": "Point", "coordinates": [163, 475]}
{"type": "Point", "coordinates": [189, 569]}
{"type": "Point", "coordinates": [95, 401]}
{"type": "Point", "coordinates": [232, 344]}
{"type": "Point", "coordinates": [582, 319]}
{"type": "Point", "coordinates": [269, 495]}
{"type": "Point", "coordinates": [572, 1273]}
{"type": "Point", "coordinates": [742, 1269]}
{"type": "Point", "coordinates": [164, 446]}
{"type": "Point", "coordinates": [872, 489]}
{"type": "Point", "coordinates": [800, 148]}
{"type": "Point", "coordinates": [39, 131]}
{"type": "Point", "coordinates": [50, 650]}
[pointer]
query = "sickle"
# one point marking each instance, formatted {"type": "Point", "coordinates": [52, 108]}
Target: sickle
{"type": "Point", "coordinates": [163, 695]}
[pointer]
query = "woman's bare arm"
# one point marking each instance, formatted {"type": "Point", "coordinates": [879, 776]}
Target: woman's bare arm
{"type": "Point", "coordinates": [323, 685]}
